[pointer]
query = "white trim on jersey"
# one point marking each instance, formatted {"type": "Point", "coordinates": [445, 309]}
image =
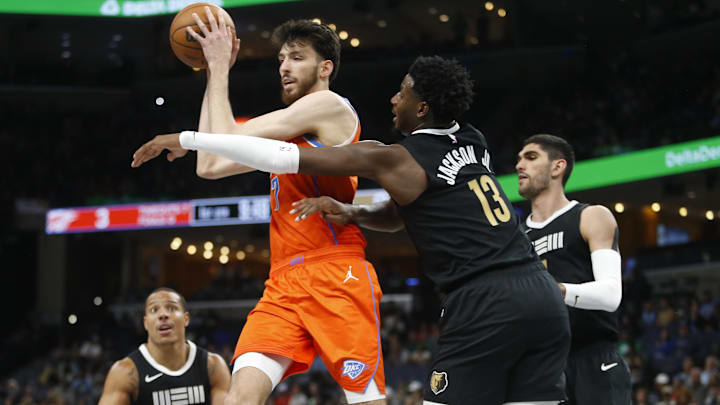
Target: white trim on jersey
{"type": "Point", "coordinates": [159, 367]}
{"type": "Point", "coordinates": [438, 131]}
{"type": "Point", "coordinates": [539, 225]}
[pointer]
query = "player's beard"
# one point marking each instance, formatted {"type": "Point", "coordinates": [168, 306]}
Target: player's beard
{"type": "Point", "coordinates": [536, 184]}
{"type": "Point", "coordinates": [301, 89]}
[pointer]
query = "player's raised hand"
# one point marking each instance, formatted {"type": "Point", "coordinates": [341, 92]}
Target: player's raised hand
{"type": "Point", "coordinates": [217, 41]}
{"type": "Point", "coordinates": [330, 209]}
{"type": "Point", "coordinates": [153, 148]}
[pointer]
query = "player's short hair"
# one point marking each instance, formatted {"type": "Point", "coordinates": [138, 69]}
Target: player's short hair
{"type": "Point", "coordinates": [183, 303]}
{"type": "Point", "coordinates": [444, 84]}
{"type": "Point", "coordinates": [556, 148]}
{"type": "Point", "coordinates": [321, 37]}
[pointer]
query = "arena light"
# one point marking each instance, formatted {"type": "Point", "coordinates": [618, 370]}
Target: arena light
{"type": "Point", "coordinates": [489, 5]}
{"type": "Point", "coordinates": [655, 207]}
{"type": "Point", "coordinates": [97, 301]}
{"type": "Point", "coordinates": [317, 20]}
{"type": "Point", "coordinates": [382, 23]}
{"type": "Point", "coordinates": [208, 245]}
{"type": "Point", "coordinates": [332, 27]}
{"type": "Point", "coordinates": [208, 254]}
{"type": "Point", "coordinates": [432, 10]}
{"type": "Point", "coordinates": [444, 18]}
{"type": "Point", "coordinates": [176, 243]}
{"type": "Point", "coordinates": [343, 35]}
{"type": "Point", "coordinates": [354, 42]}
{"type": "Point", "coordinates": [709, 215]}
{"type": "Point", "coordinates": [191, 249]}
{"type": "Point", "coordinates": [502, 12]}
{"type": "Point", "coordinates": [159, 101]}
{"type": "Point", "coordinates": [265, 253]}
{"type": "Point", "coordinates": [72, 319]}
{"type": "Point", "coordinates": [683, 211]}
{"type": "Point", "coordinates": [619, 208]}
{"type": "Point", "coordinates": [240, 255]}
{"type": "Point", "coordinates": [250, 248]}
{"type": "Point", "coordinates": [225, 250]}
{"type": "Point", "coordinates": [224, 259]}
{"type": "Point", "coordinates": [265, 34]}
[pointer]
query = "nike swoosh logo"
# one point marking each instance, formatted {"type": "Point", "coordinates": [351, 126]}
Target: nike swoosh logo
{"type": "Point", "coordinates": [604, 367]}
{"type": "Point", "coordinates": [149, 379]}
{"type": "Point", "coordinates": [528, 230]}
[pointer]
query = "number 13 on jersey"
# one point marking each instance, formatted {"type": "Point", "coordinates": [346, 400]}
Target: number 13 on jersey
{"type": "Point", "coordinates": [494, 215]}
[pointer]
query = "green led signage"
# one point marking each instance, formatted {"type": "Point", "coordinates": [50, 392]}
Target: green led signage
{"type": "Point", "coordinates": [641, 165]}
{"type": "Point", "coordinates": [114, 8]}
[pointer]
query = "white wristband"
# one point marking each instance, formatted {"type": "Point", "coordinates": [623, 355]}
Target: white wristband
{"type": "Point", "coordinates": [259, 153]}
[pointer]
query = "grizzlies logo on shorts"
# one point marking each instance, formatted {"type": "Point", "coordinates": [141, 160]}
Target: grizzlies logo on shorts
{"type": "Point", "coordinates": [438, 382]}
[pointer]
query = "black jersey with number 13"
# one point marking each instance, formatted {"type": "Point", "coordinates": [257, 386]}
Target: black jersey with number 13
{"type": "Point", "coordinates": [463, 224]}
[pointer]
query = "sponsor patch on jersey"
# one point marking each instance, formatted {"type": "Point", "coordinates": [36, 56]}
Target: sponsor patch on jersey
{"type": "Point", "coordinates": [438, 382]}
{"type": "Point", "coordinates": [353, 368]}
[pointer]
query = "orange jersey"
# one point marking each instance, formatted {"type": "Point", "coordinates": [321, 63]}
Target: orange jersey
{"type": "Point", "coordinates": [290, 239]}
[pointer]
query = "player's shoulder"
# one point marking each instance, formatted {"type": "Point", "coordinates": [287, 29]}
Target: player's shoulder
{"type": "Point", "coordinates": [123, 372]}
{"type": "Point", "coordinates": [596, 218]}
{"type": "Point", "coordinates": [218, 370]}
{"type": "Point", "coordinates": [325, 97]}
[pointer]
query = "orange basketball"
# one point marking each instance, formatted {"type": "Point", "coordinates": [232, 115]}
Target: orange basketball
{"type": "Point", "coordinates": [183, 45]}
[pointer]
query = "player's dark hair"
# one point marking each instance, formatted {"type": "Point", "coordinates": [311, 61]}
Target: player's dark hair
{"type": "Point", "coordinates": [321, 37]}
{"type": "Point", "coordinates": [444, 84]}
{"type": "Point", "coordinates": [183, 303]}
{"type": "Point", "coordinates": [556, 148]}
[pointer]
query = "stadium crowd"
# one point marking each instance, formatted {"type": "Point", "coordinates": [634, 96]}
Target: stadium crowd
{"type": "Point", "coordinates": [671, 344]}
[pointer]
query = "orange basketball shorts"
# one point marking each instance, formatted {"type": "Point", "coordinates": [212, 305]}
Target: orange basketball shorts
{"type": "Point", "coordinates": [324, 303]}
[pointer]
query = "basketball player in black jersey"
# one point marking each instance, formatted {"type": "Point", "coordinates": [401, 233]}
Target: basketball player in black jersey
{"type": "Point", "coordinates": [504, 330]}
{"type": "Point", "coordinates": [167, 369]}
{"type": "Point", "coordinates": [579, 245]}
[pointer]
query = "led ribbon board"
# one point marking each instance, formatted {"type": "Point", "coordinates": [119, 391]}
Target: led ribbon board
{"type": "Point", "coordinates": [173, 214]}
{"type": "Point", "coordinates": [634, 166]}
{"type": "Point", "coordinates": [114, 8]}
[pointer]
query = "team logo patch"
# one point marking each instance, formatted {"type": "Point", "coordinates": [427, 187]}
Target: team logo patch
{"type": "Point", "coordinates": [353, 368]}
{"type": "Point", "coordinates": [438, 382]}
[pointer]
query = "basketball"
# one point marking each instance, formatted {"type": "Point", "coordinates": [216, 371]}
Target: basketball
{"type": "Point", "coordinates": [183, 45]}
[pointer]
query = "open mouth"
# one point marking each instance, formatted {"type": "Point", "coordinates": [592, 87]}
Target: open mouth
{"type": "Point", "coordinates": [165, 329]}
{"type": "Point", "coordinates": [286, 83]}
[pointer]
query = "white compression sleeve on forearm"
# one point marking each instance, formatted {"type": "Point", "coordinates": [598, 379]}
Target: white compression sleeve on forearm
{"type": "Point", "coordinates": [605, 292]}
{"type": "Point", "coordinates": [259, 153]}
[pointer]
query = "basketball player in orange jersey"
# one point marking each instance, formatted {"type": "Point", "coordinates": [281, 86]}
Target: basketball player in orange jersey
{"type": "Point", "coordinates": [322, 298]}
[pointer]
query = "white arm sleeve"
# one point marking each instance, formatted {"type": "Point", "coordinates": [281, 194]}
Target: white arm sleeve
{"type": "Point", "coordinates": [259, 153]}
{"type": "Point", "coordinates": [605, 292]}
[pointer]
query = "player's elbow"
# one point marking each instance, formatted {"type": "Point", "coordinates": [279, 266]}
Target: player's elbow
{"type": "Point", "coordinates": [613, 297]}
{"type": "Point", "coordinates": [205, 172]}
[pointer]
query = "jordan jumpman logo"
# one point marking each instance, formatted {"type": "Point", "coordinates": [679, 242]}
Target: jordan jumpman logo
{"type": "Point", "coordinates": [349, 276]}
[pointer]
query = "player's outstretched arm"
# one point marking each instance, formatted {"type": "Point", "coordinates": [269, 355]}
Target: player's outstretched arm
{"type": "Point", "coordinates": [382, 216]}
{"type": "Point", "coordinates": [121, 384]}
{"type": "Point", "coordinates": [219, 375]}
{"type": "Point", "coordinates": [599, 229]}
{"type": "Point", "coordinates": [392, 166]}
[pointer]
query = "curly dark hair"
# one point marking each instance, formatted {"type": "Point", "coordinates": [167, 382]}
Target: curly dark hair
{"type": "Point", "coordinates": [321, 37]}
{"type": "Point", "coordinates": [556, 148]}
{"type": "Point", "coordinates": [444, 84]}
